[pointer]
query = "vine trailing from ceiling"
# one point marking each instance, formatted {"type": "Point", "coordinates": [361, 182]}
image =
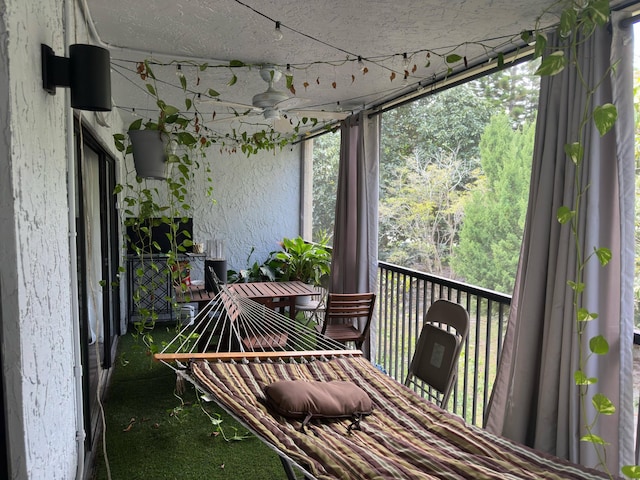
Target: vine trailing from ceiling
{"type": "Point", "coordinates": [149, 206]}
{"type": "Point", "coordinates": [578, 22]}
{"type": "Point", "coordinates": [251, 138]}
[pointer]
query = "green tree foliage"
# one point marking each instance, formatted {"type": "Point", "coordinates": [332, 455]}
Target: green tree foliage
{"type": "Point", "coordinates": [429, 158]}
{"type": "Point", "coordinates": [449, 121]}
{"type": "Point", "coordinates": [495, 209]}
{"type": "Point", "coordinates": [514, 90]}
{"type": "Point", "coordinates": [429, 151]}
{"type": "Point", "coordinates": [326, 156]}
{"type": "Point", "coordinates": [421, 212]}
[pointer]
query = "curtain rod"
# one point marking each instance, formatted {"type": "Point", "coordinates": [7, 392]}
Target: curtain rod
{"type": "Point", "coordinates": [627, 22]}
{"type": "Point", "coordinates": [475, 71]}
{"type": "Point", "coordinates": [317, 133]}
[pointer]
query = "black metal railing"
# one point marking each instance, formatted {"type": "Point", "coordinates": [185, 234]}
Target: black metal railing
{"type": "Point", "coordinates": [403, 296]}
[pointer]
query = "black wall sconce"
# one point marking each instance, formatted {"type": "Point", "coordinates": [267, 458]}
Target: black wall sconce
{"type": "Point", "coordinates": [86, 72]}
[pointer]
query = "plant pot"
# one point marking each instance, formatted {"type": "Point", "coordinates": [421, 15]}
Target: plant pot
{"type": "Point", "coordinates": [149, 153]}
{"type": "Point", "coordinates": [303, 300]}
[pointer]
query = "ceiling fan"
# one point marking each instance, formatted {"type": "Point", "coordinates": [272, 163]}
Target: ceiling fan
{"type": "Point", "coordinates": [272, 104]}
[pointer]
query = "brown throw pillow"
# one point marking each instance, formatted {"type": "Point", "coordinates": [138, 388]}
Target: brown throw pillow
{"type": "Point", "coordinates": [303, 399]}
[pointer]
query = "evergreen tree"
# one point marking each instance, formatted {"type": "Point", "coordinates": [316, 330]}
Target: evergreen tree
{"type": "Point", "coordinates": [494, 211]}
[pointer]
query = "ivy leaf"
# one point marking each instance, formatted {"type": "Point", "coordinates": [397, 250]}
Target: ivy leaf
{"type": "Point", "coordinates": [171, 118]}
{"type": "Point", "coordinates": [500, 60]}
{"type": "Point", "coordinates": [552, 64]}
{"type": "Point", "coordinates": [581, 379]}
{"type": "Point", "coordinates": [183, 82]}
{"type": "Point", "coordinates": [604, 255]}
{"type": "Point", "coordinates": [576, 286]}
{"type": "Point", "coordinates": [568, 20]}
{"type": "Point", "coordinates": [605, 117]}
{"type": "Point", "coordinates": [631, 471]}
{"type": "Point", "coordinates": [603, 405]}
{"type": "Point", "coordinates": [599, 11]}
{"type": "Point", "coordinates": [526, 35]}
{"type": "Point", "coordinates": [136, 124]}
{"type": "Point", "coordinates": [118, 140]}
{"type": "Point", "coordinates": [150, 89]}
{"type": "Point", "coordinates": [564, 215]}
{"type": "Point", "coordinates": [148, 70]}
{"type": "Point", "coordinates": [583, 315]}
{"type": "Point", "coordinates": [213, 93]}
{"type": "Point", "coordinates": [575, 152]}
{"type": "Point", "coordinates": [170, 110]}
{"type": "Point", "coordinates": [186, 138]}
{"type": "Point", "coordinates": [599, 345]}
{"type": "Point", "coordinates": [541, 45]}
{"type": "Point", "coordinates": [233, 80]}
{"type": "Point", "coordinates": [236, 63]}
{"type": "Point", "coordinates": [593, 438]}
{"type": "Point", "coordinates": [188, 103]}
{"type": "Point", "coordinates": [289, 79]}
{"type": "Point", "coordinates": [453, 58]}
{"type": "Point", "coordinates": [203, 66]}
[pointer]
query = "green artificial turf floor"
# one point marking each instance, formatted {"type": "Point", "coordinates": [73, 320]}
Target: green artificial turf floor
{"type": "Point", "coordinates": [154, 433]}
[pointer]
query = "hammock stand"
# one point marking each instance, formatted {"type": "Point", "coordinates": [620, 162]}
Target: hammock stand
{"type": "Point", "coordinates": [405, 436]}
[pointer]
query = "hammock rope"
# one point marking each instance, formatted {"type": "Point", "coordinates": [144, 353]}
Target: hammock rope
{"type": "Point", "coordinates": [233, 327]}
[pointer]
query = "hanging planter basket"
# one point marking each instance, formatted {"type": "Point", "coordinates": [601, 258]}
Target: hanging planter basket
{"type": "Point", "coordinates": [150, 153]}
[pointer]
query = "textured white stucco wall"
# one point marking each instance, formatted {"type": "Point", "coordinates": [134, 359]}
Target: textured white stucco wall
{"type": "Point", "coordinates": [257, 203]}
{"type": "Point", "coordinates": [37, 340]}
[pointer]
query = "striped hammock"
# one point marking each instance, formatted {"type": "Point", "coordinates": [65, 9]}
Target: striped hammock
{"type": "Point", "coordinates": [406, 437]}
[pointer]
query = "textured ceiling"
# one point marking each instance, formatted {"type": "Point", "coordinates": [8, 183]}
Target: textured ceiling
{"type": "Point", "coordinates": [321, 42]}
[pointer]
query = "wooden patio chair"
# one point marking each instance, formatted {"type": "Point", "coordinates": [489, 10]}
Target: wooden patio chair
{"type": "Point", "coordinates": [342, 315]}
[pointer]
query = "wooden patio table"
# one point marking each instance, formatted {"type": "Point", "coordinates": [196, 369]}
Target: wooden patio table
{"type": "Point", "coordinates": [274, 295]}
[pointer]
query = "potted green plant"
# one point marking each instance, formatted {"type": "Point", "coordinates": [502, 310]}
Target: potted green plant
{"type": "Point", "coordinates": [307, 262]}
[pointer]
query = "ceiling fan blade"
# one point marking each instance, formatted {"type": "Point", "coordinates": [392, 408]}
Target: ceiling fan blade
{"type": "Point", "coordinates": [231, 117]}
{"type": "Point", "coordinates": [224, 103]}
{"type": "Point", "coordinates": [283, 125]}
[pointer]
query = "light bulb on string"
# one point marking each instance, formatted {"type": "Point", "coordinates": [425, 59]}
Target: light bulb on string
{"type": "Point", "coordinates": [361, 65]}
{"type": "Point", "coordinates": [179, 73]}
{"type": "Point", "coordinates": [277, 33]}
{"type": "Point", "coordinates": [405, 69]}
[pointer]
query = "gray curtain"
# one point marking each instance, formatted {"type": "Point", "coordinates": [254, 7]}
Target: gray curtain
{"type": "Point", "coordinates": [535, 400]}
{"type": "Point", "coordinates": [354, 263]}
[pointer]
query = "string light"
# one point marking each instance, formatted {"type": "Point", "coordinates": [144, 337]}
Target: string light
{"type": "Point", "coordinates": [361, 65]}
{"type": "Point", "coordinates": [405, 69]}
{"type": "Point", "coordinates": [179, 73]}
{"type": "Point", "coordinates": [277, 33]}
{"type": "Point", "coordinates": [405, 61]}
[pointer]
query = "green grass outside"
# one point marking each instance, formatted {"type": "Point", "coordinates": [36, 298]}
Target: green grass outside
{"type": "Point", "coordinates": [153, 433]}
